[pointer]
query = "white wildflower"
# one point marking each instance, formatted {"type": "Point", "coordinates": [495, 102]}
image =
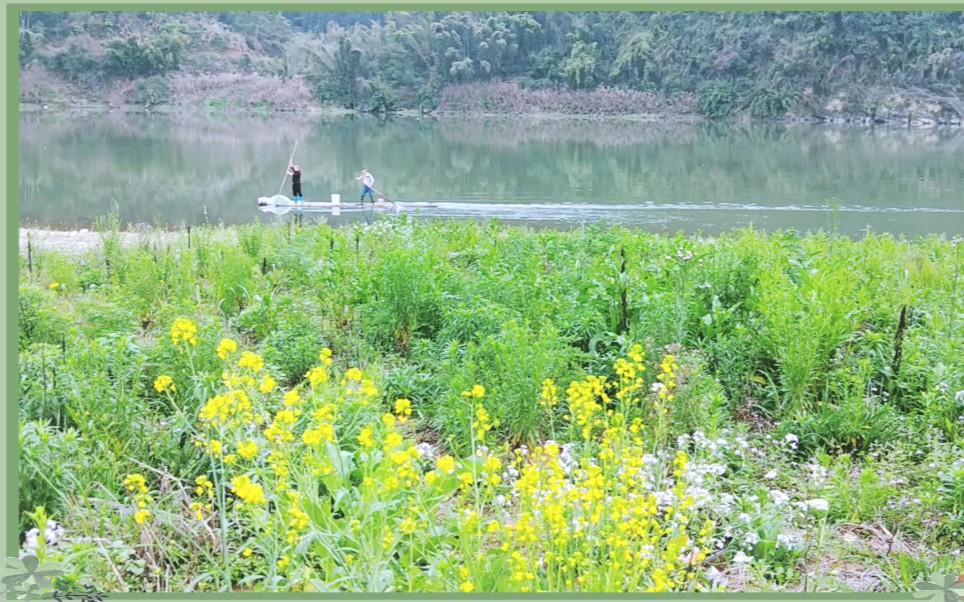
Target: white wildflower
{"type": "Point", "coordinates": [53, 533]}
{"type": "Point", "coordinates": [779, 497]}
{"type": "Point", "coordinates": [31, 539]}
{"type": "Point", "coordinates": [716, 577]}
{"type": "Point", "coordinates": [740, 559]}
{"type": "Point", "coordinates": [427, 451]}
{"type": "Point", "coordinates": [818, 505]}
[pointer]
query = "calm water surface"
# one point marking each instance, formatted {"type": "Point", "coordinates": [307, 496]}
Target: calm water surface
{"type": "Point", "coordinates": [191, 169]}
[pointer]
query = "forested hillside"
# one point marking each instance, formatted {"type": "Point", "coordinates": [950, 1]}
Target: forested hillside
{"type": "Point", "coordinates": [761, 64]}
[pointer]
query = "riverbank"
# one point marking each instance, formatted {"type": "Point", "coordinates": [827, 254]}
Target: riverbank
{"type": "Point", "coordinates": [83, 240]}
{"type": "Point", "coordinates": [319, 111]}
{"type": "Point", "coordinates": [273, 95]}
{"type": "Point", "coordinates": [730, 408]}
{"type": "Point", "coordinates": [214, 107]}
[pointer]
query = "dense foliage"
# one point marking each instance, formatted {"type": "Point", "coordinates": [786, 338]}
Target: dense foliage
{"type": "Point", "coordinates": [468, 406]}
{"type": "Point", "coordinates": [761, 63]}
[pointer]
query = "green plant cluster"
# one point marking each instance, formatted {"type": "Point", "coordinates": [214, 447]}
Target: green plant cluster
{"type": "Point", "coordinates": [789, 362]}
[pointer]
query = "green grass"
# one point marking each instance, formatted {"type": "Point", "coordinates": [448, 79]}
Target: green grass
{"type": "Point", "coordinates": [780, 385]}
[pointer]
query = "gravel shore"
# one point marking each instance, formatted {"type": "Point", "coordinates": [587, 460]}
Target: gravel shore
{"type": "Point", "coordinates": [78, 242]}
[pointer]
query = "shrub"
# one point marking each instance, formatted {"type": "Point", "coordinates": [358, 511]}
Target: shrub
{"type": "Point", "coordinates": [40, 318]}
{"type": "Point", "coordinates": [294, 346]}
{"type": "Point", "coordinates": [853, 426]}
{"type": "Point", "coordinates": [154, 90]}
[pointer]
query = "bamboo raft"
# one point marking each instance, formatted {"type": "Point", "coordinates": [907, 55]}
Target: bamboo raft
{"type": "Point", "coordinates": [282, 204]}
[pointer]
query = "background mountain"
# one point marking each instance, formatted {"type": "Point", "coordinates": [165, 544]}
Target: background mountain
{"type": "Point", "coordinates": [761, 64]}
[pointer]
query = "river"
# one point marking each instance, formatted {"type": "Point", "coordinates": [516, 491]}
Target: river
{"type": "Point", "coordinates": [191, 168]}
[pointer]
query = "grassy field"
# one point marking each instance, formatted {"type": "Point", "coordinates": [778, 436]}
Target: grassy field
{"type": "Point", "coordinates": [461, 406]}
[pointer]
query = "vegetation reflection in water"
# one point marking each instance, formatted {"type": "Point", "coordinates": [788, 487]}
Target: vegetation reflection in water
{"type": "Point", "coordinates": [193, 169]}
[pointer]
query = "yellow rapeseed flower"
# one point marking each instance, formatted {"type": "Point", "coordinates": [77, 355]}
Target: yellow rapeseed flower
{"type": "Point", "coordinates": [247, 449]}
{"type": "Point", "coordinates": [325, 356]}
{"type": "Point", "coordinates": [492, 464]}
{"type": "Point", "coordinates": [225, 347]}
{"type": "Point", "coordinates": [136, 483]}
{"type": "Point", "coordinates": [292, 397]}
{"type": "Point", "coordinates": [313, 437]}
{"type": "Point", "coordinates": [317, 376]}
{"type": "Point", "coordinates": [550, 394]}
{"type": "Point", "coordinates": [249, 492]}
{"type": "Point", "coordinates": [251, 360]}
{"type": "Point", "coordinates": [163, 383]}
{"type": "Point", "coordinates": [446, 464]}
{"type": "Point", "coordinates": [285, 417]}
{"type": "Point", "coordinates": [365, 437]}
{"type": "Point", "coordinates": [268, 384]}
{"type": "Point", "coordinates": [183, 330]}
{"type": "Point", "coordinates": [477, 391]}
{"type": "Point", "coordinates": [222, 407]}
{"type": "Point", "coordinates": [325, 413]}
{"type": "Point", "coordinates": [403, 407]}
{"type": "Point", "coordinates": [299, 520]}
{"type": "Point", "coordinates": [408, 526]}
{"type": "Point", "coordinates": [368, 388]}
{"type": "Point", "coordinates": [392, 441]}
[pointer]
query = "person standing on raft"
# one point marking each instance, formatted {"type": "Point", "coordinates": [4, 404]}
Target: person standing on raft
{"type": "Point", "coordinates": [367, 181]}
{"type": "Point", "coordinates": [295, 172]}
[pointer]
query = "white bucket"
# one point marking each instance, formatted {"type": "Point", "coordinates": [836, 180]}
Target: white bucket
{"type": "Point", "coordinates": [336, 199]}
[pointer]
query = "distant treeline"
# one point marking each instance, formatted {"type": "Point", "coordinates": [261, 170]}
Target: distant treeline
{"type": "Point", "coordinates": [759, 63]}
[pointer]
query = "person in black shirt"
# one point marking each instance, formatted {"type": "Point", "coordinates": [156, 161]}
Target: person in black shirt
{"type": "Point", "coordinates": [295, 172]}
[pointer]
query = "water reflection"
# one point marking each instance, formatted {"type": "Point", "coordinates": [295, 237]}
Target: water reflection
{"type": "Point", "coordinates": [193, 168]}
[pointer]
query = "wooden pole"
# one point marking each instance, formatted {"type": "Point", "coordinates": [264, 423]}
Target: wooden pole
{"type": "Point", "coordinates": [383, 195]}
{"type": "Point", "coordinates": [290, 159]}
